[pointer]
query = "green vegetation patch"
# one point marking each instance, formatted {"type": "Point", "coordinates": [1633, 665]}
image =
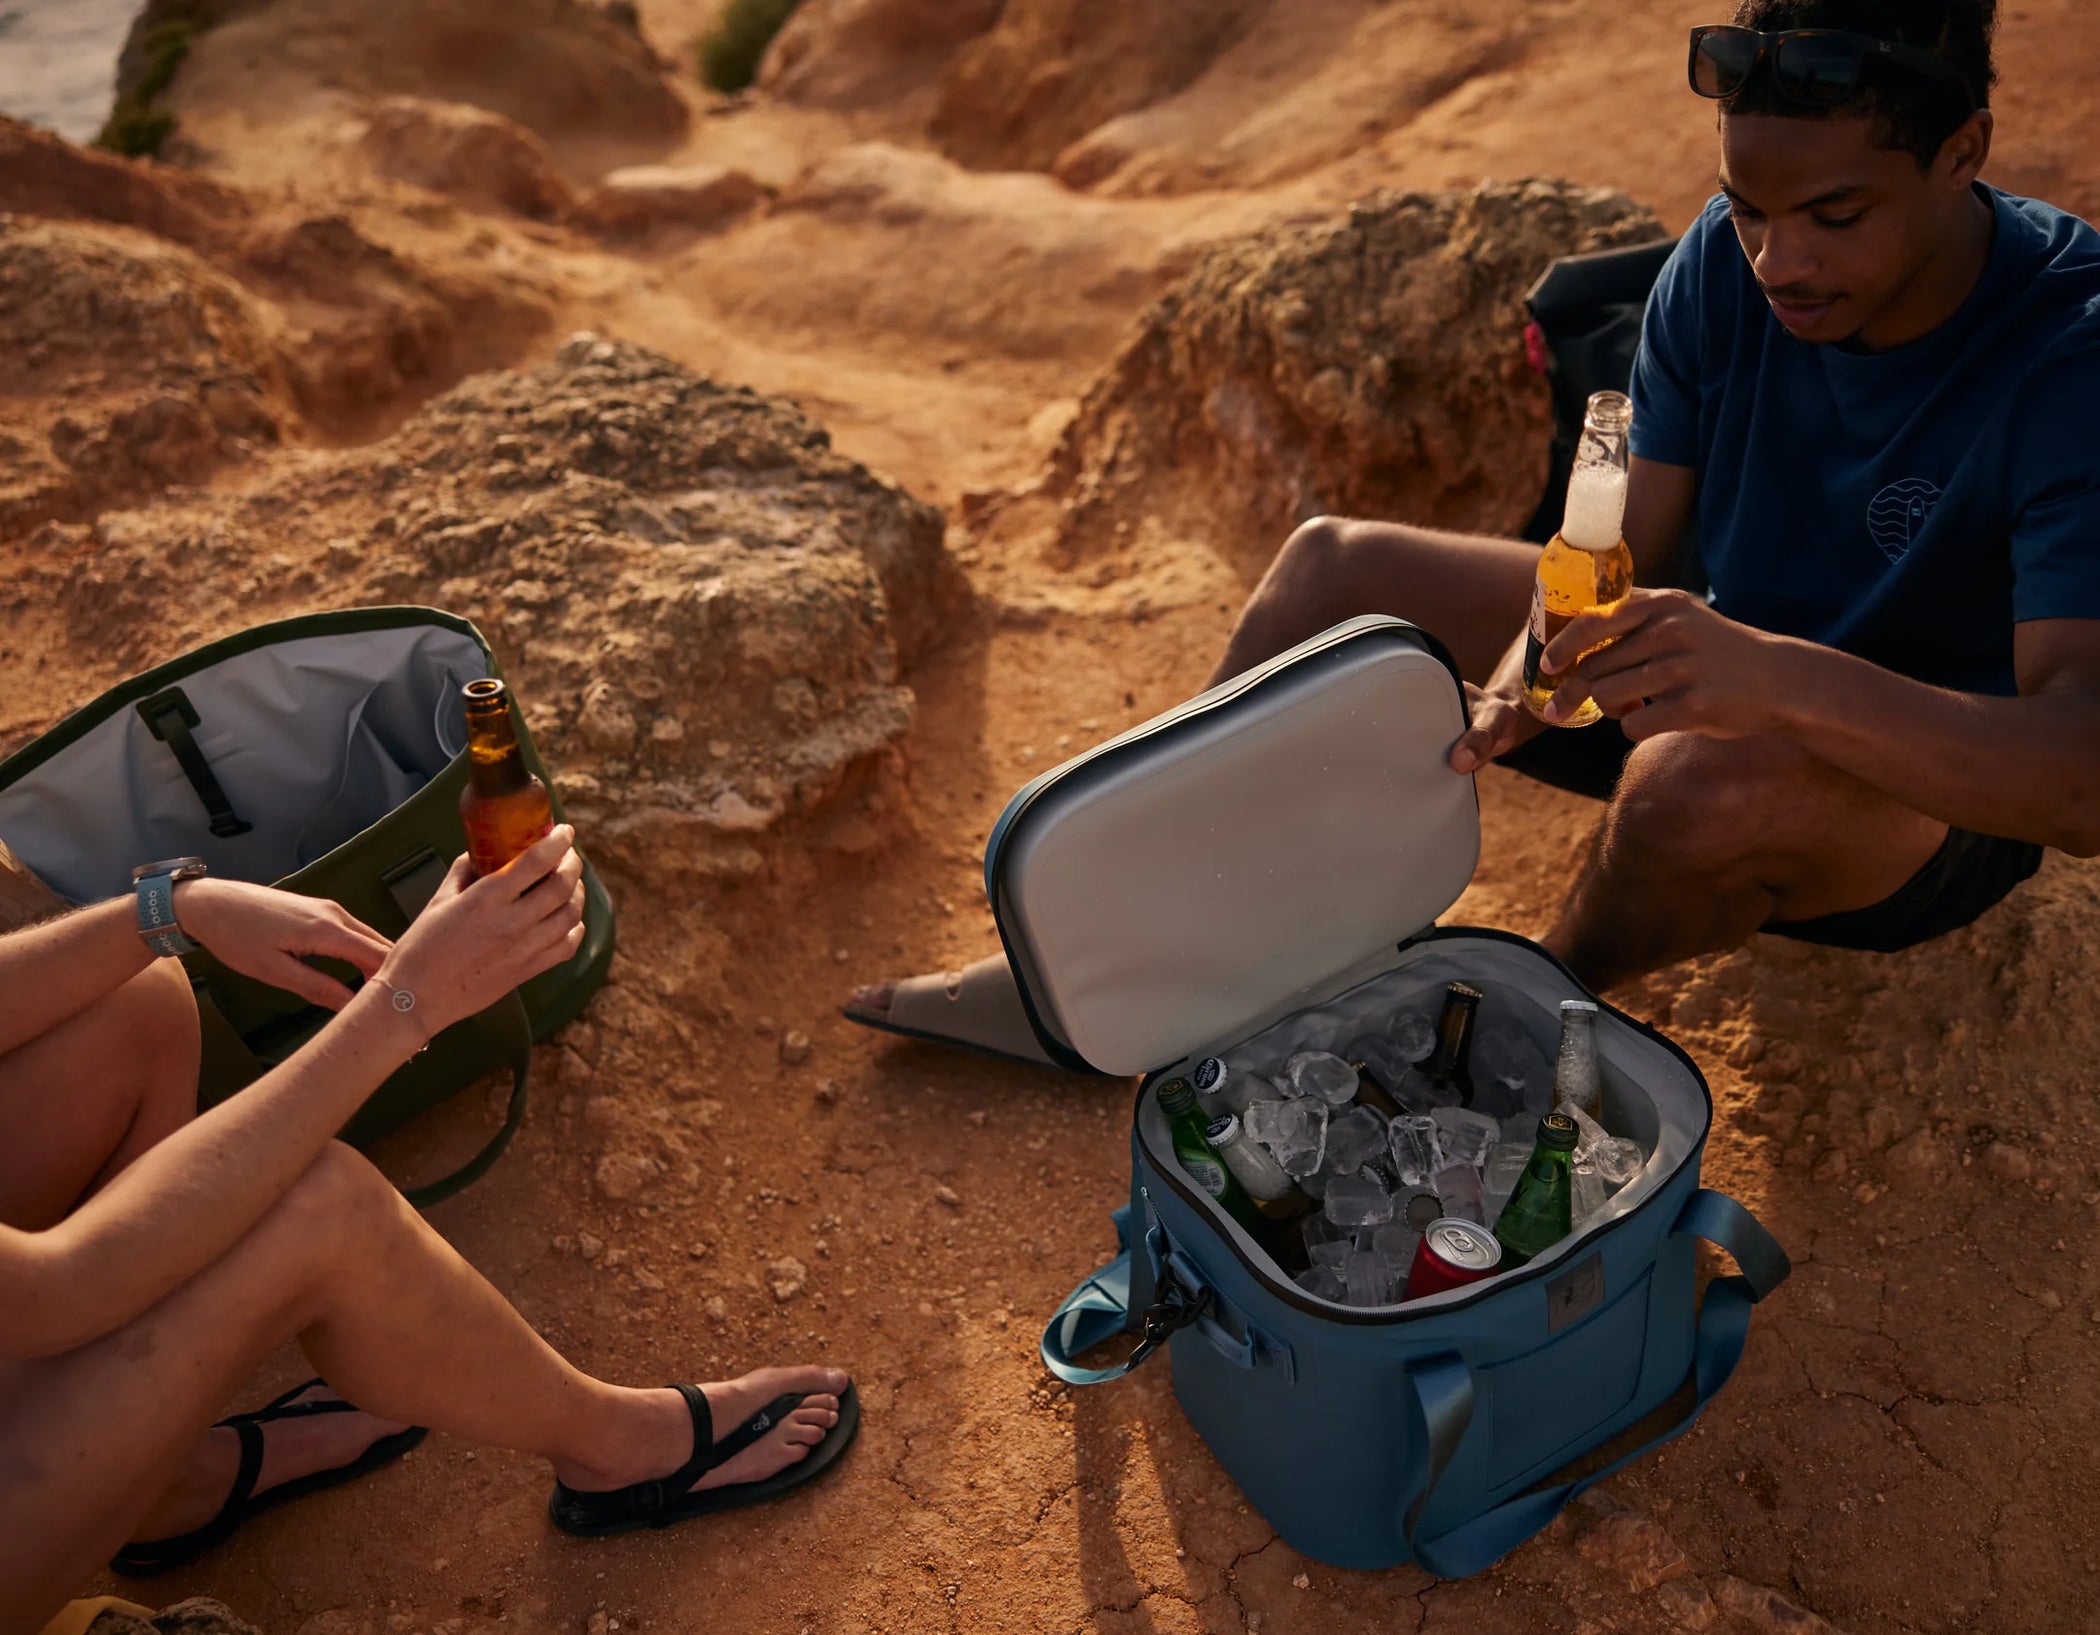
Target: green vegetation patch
{"type": "Point", "coordinates": [135, 128]}
{"type": "Point", "coordinates": [729, 57]}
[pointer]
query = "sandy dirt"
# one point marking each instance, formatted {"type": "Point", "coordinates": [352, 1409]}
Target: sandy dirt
{"type": "Point", "coordinates": [1906, 1446]}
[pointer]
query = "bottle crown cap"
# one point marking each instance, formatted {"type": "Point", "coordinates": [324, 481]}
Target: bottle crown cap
{"type": "Point", "coordinates": [1210, 1073]}
{"type": "Point", "coordinates": [1557, 1130]}
{"type": "Point", "coordinates": [1175, 1096]}
{"type": "Point", "coordinates": [1223, 1130]}
{"type": "Point", "coordinates": [1578, 1007]}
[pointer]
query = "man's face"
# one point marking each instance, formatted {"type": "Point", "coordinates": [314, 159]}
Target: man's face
{"type": "Point", "coordinates": [1835, 228]}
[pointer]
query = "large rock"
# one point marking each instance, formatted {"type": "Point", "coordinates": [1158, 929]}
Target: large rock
{"type": "Point", "coordinates": [1051, 71]}
{"type": "Point", "coordinates": [158, 326]}
{"type": "Point", "coordinates": [869, 54]}
{"type": "Point", "coordinates": [466, 153]}
{"type": "Point", "coordinates": [1373, 366]}
{"type": "Point", "coordinates": [703, 606]}
{"type": "Point", "coordinates": [640, 199]}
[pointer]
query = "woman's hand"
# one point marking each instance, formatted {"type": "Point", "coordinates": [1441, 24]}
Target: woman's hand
{"type": "Point", "coordinates": [479, 939]}
{"type": "Point", "coordinates": [262, 932]}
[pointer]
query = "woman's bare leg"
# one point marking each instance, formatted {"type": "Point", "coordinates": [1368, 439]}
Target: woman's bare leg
{"type": "Point", "coordinates": [78, 1104]}
{"type": "Point", "coordinates": [391, 1316]}
{"type": "Point", "coordinates": [82, 1101]}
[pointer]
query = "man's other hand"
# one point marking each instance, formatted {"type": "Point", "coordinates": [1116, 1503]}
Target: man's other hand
{"type": "Point", "coordinates": [262, 932]}
{"type": "Point", "coordinates": [1500, 724]}
{"type": "Point", "coordinates": [1673, 665]}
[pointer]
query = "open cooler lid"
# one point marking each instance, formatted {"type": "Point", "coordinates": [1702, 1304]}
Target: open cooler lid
{"type": "Point", "coordinates": [1244, 855]}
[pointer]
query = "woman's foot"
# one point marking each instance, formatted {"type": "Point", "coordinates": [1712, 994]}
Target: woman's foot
{"type": "Point", "coordinates": [659, 1438]}
{"type": "Point", "coordinates": [291, 1448]}
{"type": "Point", "coordinates": [978, 1007]}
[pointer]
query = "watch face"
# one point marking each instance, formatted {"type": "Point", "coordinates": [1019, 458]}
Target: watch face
{"type": "Point", "coordinates": [184, 867]}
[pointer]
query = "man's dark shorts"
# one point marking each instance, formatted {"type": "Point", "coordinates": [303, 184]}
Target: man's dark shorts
{"type": "Point", "coordinates": [1968, 874]}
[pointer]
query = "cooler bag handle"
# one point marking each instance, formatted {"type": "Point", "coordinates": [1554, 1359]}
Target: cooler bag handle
{"type": "Point", "coordinates": [1443, 1389]}
{"type": "Point", "coordinates": [505, 1022]}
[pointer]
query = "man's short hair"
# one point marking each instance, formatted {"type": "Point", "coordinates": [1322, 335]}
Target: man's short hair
{"type": "Point", "coordinates": [1913, 113]}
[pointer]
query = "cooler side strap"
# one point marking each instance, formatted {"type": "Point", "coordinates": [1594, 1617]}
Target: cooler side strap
{"type": "Point", "coordinates": [1717, 1346]}
{"type": "Point", "coordinates": [1098, 1309]}
{"type": "Point", "coordinates": [510, 1029]}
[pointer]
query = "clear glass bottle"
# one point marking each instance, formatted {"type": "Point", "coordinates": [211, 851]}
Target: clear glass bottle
{"type": "Point", "coordinates": [1575, 1075]}
{"type": "Point", "coordinates": [1586, 567]}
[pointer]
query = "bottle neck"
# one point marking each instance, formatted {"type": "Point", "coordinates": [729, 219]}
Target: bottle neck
{"type": "Point", "coordinates": [1454, 1038]}
{"type": "Point", "coordinates": [495, 763]}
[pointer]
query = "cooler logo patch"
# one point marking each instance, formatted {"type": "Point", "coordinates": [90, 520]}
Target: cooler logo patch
{"type": "Point", "coordinates": [1896, 516]}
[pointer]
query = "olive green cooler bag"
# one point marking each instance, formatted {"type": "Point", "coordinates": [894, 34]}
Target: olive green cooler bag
{"type": "Point", "coordinates": [324, 755]}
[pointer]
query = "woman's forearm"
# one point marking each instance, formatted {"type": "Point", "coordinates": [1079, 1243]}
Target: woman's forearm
{"type": "Point", "coordinates": [52, 971]}
{"type": "Point", "coordinates": [184, 1203]}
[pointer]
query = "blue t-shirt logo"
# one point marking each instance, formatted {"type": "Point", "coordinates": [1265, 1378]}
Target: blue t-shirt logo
{"type": "Point", "coordinates": [1896, 516]}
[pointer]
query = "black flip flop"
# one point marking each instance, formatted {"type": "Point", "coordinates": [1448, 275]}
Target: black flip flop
{"type": "Point", "coordinates": [165, 1554]}
{"type": "Point", "coordinates": [660, 1503]}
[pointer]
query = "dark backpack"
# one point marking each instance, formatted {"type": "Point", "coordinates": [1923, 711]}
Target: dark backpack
{"type": "Point", "coordinates": [1585, 328]}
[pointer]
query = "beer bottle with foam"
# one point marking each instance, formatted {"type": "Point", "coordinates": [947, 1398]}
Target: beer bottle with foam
{"type": "Point", "coordinates": [504, 807]}
{"type": "Point", "coordinates": [1586, 567]}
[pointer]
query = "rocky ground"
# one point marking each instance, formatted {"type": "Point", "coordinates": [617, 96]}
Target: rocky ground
{"type": "Point", "coordinates": [790, 648]}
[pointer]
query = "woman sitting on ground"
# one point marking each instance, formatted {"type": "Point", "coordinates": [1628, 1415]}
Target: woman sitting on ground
{"type": "Point", "coordinates": [150, 1259]}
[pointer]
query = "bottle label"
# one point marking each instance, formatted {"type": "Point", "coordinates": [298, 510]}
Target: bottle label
{"type": "Point", "coordinates": [1540, 630]}
{"type": "Point", "coordinates": [1206, 1172]}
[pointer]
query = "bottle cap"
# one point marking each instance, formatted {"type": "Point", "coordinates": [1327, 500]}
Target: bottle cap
{"type": "Point", "coordinates": [1223, 1131]}
{"type": "Point", "coordinates": [1175, 1096]}
{"type": "Point", "coordinates": [1459, 990]}
{"type": "Point", "coordinates": [1210, 1075]}
{"type": "Point", "coordinates": [1557, 1130]}
{"type": "Point", "coordinates": [1578, 1007]}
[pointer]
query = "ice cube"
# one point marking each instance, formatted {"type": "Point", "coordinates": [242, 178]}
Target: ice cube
{"type": "Point", "coordinates": [1321, 1282]}
{"type": "Point", "coordinates": [1316, 1229]}
{"type": "Point", "coordinates": [1458, 1190]}
{"type": "Point", "coordinates": [1320, 1076]}
{"type": "Point", "coordinates": [1354, 1138]}
{"type": "Point", "coordinates": [1382, 1061]}
{"type": "Point", "coordinates": [1358, 1200]}
{"type": "Point", "coordinates": [1585, 1191]}
{"type": "Point", "coordinates": [1588, 1132]}
{"type": "Point", "coordinates": [1510, 1074]}
{"type": "Point", "coordinates": [1295, 1132]}
{"type": "Point", "coordinates": [1618, 1160]}
{"type": "Point", "coordinates": [1394, 1245]}
{"type": "Point", "coordinates": [1416, 1148]}
{"type": "Point", "coordinates": [1466, 1135]}
{"type": "Point", "coordinates": [1332, 1253]}
{"type": "Point", "coordinates": [1413, 1035]}
{"type": "Point", "coordinates": [1365, 1280]}
{"type": "Point", "coordinates": [1499, 1176]}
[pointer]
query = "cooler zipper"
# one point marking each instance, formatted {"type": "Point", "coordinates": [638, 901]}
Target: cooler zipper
{"type": "Point", "coordinates": [1283, 1288]}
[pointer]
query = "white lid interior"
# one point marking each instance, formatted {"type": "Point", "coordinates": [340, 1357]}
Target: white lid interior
{"type": "Point", "coordinates": [1250, 853]}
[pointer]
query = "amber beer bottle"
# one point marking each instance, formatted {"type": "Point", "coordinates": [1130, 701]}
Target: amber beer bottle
{"type": "Point", "coordinates": [504, 807]}
{"type": "Point", "coordinates": [1586, 567]}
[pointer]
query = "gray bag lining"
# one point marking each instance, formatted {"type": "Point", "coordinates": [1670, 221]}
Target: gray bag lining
{"type": "Point", "coordinates": [1649, 1094]}
{"type": "Point", "coordinates": [313, 740]}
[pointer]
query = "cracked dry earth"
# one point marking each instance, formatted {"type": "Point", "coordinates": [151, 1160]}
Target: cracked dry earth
{"type": "Point", "coordinates": [719, 1172]}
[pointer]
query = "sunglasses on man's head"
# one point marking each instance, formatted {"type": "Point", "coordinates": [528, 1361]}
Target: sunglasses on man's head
{"type": "Point", "coordinates": [1815, 67]}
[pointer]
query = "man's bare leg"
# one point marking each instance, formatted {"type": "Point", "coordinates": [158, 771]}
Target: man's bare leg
{"type": "Point", "coordinates": [1470, 591]}
{"type": "Point", "coordinates": [387, 1312]}
{"type": "Point", "coordinates": [1707, 839]}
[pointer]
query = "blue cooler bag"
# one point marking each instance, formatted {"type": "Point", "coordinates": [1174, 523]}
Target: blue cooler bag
{"type": "Point", "coordinates": [1258, 872]}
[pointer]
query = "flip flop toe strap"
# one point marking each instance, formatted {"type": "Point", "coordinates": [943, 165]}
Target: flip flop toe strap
{"type": "Point", "coordinates": [758, 1425]}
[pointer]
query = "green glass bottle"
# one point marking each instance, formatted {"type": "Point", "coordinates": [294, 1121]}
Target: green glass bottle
{"type": "Point", "coordinates": [1539, 1212]}
{"type": "Point", "coordinates": [1193, 1151]}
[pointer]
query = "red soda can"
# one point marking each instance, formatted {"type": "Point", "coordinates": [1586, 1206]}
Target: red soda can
{"type": "Point", "coordinates": [1452, 1254]}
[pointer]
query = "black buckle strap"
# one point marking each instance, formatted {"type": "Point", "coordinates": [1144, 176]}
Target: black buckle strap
{"type": "Point", "coordinates": [169, 716]}
{"type": "Point", "coordinates": [1173, 1310]}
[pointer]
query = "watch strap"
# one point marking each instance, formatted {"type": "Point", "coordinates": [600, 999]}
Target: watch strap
{"type": "Point", "coordinates": [157, 924]}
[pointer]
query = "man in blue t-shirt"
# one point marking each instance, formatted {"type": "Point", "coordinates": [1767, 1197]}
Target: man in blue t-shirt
{"type": "Point", "coordinates": [1861, 376]}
